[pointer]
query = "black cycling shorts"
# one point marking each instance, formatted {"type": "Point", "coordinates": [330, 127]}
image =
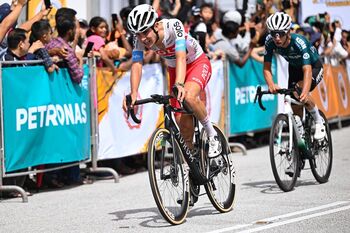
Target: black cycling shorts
{"type": "Point", "coordinates": [296, 74]}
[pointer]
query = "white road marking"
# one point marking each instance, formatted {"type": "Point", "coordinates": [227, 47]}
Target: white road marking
{"type": "Point", "coordinates": [267, 220]}
{"type": "Point", "coordinates": [305, 211]}
{"type": "Point", "coordinates": [296, 219]}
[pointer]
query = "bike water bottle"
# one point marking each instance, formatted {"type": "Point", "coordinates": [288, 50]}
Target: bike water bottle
{"type": "Point", "coordinates": [300, 127]}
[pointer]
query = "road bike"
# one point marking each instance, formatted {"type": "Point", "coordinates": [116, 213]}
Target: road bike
{"type": "Point", "coordinates": [176, 172]}
{"type": "Point", "coordinates": [291, 146]}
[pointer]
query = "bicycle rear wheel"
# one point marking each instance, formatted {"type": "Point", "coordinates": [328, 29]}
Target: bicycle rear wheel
{"type": "Point", "coordinates": [284, 156]}
{"type": "Point", "coordinates": [321, 163]}
{"type": "Point", "coordinates": [221, 187]}
{"type": "Point", "coordinates": [168, 176]}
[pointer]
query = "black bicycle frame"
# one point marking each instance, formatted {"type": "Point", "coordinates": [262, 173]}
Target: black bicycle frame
{"type": "Point", "coordinates": [192, 160]}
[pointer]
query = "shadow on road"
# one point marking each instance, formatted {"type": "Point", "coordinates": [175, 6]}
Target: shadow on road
{"type": "Point", "coordinates": [270, 187]}
{"type": "Point", "coordinates": [151, 218]}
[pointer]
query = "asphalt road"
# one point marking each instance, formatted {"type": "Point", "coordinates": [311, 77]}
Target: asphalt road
{"type": "Point", "coordinates": [260, 206]}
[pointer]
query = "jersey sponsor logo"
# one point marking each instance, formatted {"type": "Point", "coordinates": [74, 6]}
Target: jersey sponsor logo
{"type": "Point", "coordinates": [301, 43]}
{"type": "Point", "coordinates": [313, 49]}
{"type": "Point", "coordinates": [306, 56]}
{"type": "Point", "coordinates": [178, 29]}
{"type": "Point", "coordinates": [169, 51]}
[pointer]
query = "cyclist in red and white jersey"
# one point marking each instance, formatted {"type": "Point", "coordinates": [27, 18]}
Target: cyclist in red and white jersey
{"type": "Point", "coordinates": [189, 68]}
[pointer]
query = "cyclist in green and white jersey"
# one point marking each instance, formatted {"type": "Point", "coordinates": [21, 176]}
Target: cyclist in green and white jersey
{"type": "Point", "coordinates": [305, 68]}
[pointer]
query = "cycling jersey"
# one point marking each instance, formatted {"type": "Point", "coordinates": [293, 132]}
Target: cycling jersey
{"type": "Point", "coordinates": [175, 39]}
{"type": "Point", "coordinates": [298, 53]}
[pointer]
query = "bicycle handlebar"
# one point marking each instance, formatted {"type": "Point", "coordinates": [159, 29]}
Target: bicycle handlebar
{"type": "Point", "coordinates": [160, 99]}
{"type": "Point", "coordinates": [260, 93]}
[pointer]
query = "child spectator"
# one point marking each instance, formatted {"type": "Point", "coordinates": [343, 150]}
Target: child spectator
{"type": "Point", "coordinates": [97, 34]}
{"type": "Point", "coordinates": [41, 34]}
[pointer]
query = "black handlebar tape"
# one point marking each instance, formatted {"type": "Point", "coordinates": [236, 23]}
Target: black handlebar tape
{"type": "Point", "coordinates": [130, 110]}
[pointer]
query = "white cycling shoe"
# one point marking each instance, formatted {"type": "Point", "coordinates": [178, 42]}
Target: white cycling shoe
{"type": "Point", "coordinates": [214, 147]}
{"type": "Point", "coordinates": [320, 131]}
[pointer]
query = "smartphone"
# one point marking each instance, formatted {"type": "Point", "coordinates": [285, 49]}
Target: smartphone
{"type": "Point", "coordinates": [114, 20]}
{"type": "Point", "coordinates": [88, 48]}
{"type": "Point", "coordinates": [47, 4]}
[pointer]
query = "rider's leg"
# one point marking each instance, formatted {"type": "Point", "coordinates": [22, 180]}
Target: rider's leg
{"type": "Point", "coordinates": [313, 110]}
{"type": "Point", "coordinates": [185, 123]}
{"type": "Point", "coordinates": [193, 100]}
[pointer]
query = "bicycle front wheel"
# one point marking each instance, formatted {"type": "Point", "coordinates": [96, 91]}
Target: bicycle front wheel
{"type": "Point", "coordinates": [168, 176]}
{"type": "Point", "coordinates": [321, 163]}
{"type": "Point", "coordinates": [221, 187]}
{"type": "Point", "coordinates": [284, 154]}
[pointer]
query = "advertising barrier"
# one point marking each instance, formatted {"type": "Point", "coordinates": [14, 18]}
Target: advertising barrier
{"type": "Point", "coordinates": [215, 93]}
{"type": "Point", "coordinates": [245, 116]}
{"type": "Point", "coordinates": [46, 117]}
{"type": "Point", "coordinates": [118, 135]}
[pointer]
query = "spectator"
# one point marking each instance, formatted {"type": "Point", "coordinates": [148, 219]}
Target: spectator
{"type": "Point", "coordinates": [39, 16]}
{"type": "Point", "coordinates": [225, 39]}
{"type": "Point", "coordinates": [185, 9]}
{"type": "Point", "coordinates": [83, 28]}
{"type": "Point", "coordinates": [41, 34]}
{"type": "Point", "coordinates": [240, 42]}
{"type": "Point", "coordinates": [18, 47]}
{"type": "Point", "coordinates": [98, 34]}
{"type": "Point", "coordinates": [207, 16]}
{"type": "Point", "coordinates": [345, 40]}
{"type": "Point", "coordinates": [198, 29]}
{"type": "Point", "coordinates": [8, 17]}
{"type": "Point", "coordinates": [66, 28]}
{"type": "Point", "coordinates": [167, 8]}
{"type": "Point", "coordinates": [118, 42]}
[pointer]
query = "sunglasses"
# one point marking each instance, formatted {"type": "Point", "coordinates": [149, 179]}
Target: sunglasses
{"type": "Point", "coordinates": [278, 33]}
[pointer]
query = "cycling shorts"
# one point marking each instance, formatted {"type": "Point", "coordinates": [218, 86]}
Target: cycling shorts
{"type": "Point", "coordinates": [296, 74]}
{"type": "Point", "coordinates": [198, 71]}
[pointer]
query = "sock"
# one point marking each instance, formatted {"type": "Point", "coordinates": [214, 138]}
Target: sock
{"type": "Point", "coordinates": [208, 127]}
{"type": "Point", "coordinates": [316, 115]}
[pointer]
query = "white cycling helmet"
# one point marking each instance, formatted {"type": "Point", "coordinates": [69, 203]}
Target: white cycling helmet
{"type": "Point", "coordinates": [279, 22]}
{"type": "Point", "coordinates": [141, 18]}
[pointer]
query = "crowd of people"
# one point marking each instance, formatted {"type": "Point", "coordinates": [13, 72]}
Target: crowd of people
{"type": "Point", "coordinates": [235, 35]}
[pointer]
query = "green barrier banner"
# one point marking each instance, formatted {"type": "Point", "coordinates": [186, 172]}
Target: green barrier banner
{"type": "Point", "coordinates": [245, 116]}
{"type": "Point", "coordinates": [46, 117]}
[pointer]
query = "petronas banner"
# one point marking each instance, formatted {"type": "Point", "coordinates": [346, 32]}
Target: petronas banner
{"type": "Point", "coordinates": [46, 117]}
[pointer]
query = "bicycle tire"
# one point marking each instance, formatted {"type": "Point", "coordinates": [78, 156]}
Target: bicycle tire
{"type": "Point", "coordinates": [174, 181]}
{"type": "Point", "coordinates": [221, 189]}
{"type": "Point", "coordinates": [321, 174]}
{"type": "Point", "coordinates": [279, 131]}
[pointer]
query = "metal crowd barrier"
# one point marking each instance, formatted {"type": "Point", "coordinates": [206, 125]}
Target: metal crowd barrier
{"type": "Point", "coordinates": [93, 130]}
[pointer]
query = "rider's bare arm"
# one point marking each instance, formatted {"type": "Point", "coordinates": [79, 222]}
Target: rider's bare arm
{"type": "Point", "coordinates": [180, 66]}
{"type": "Point", "coordinates": [268, 77]}
{"type": "Point", "coordinates": [135, 78]}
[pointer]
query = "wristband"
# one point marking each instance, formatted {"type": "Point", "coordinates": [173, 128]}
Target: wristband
{"type": "Point", "coordinates": [180, 84]}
